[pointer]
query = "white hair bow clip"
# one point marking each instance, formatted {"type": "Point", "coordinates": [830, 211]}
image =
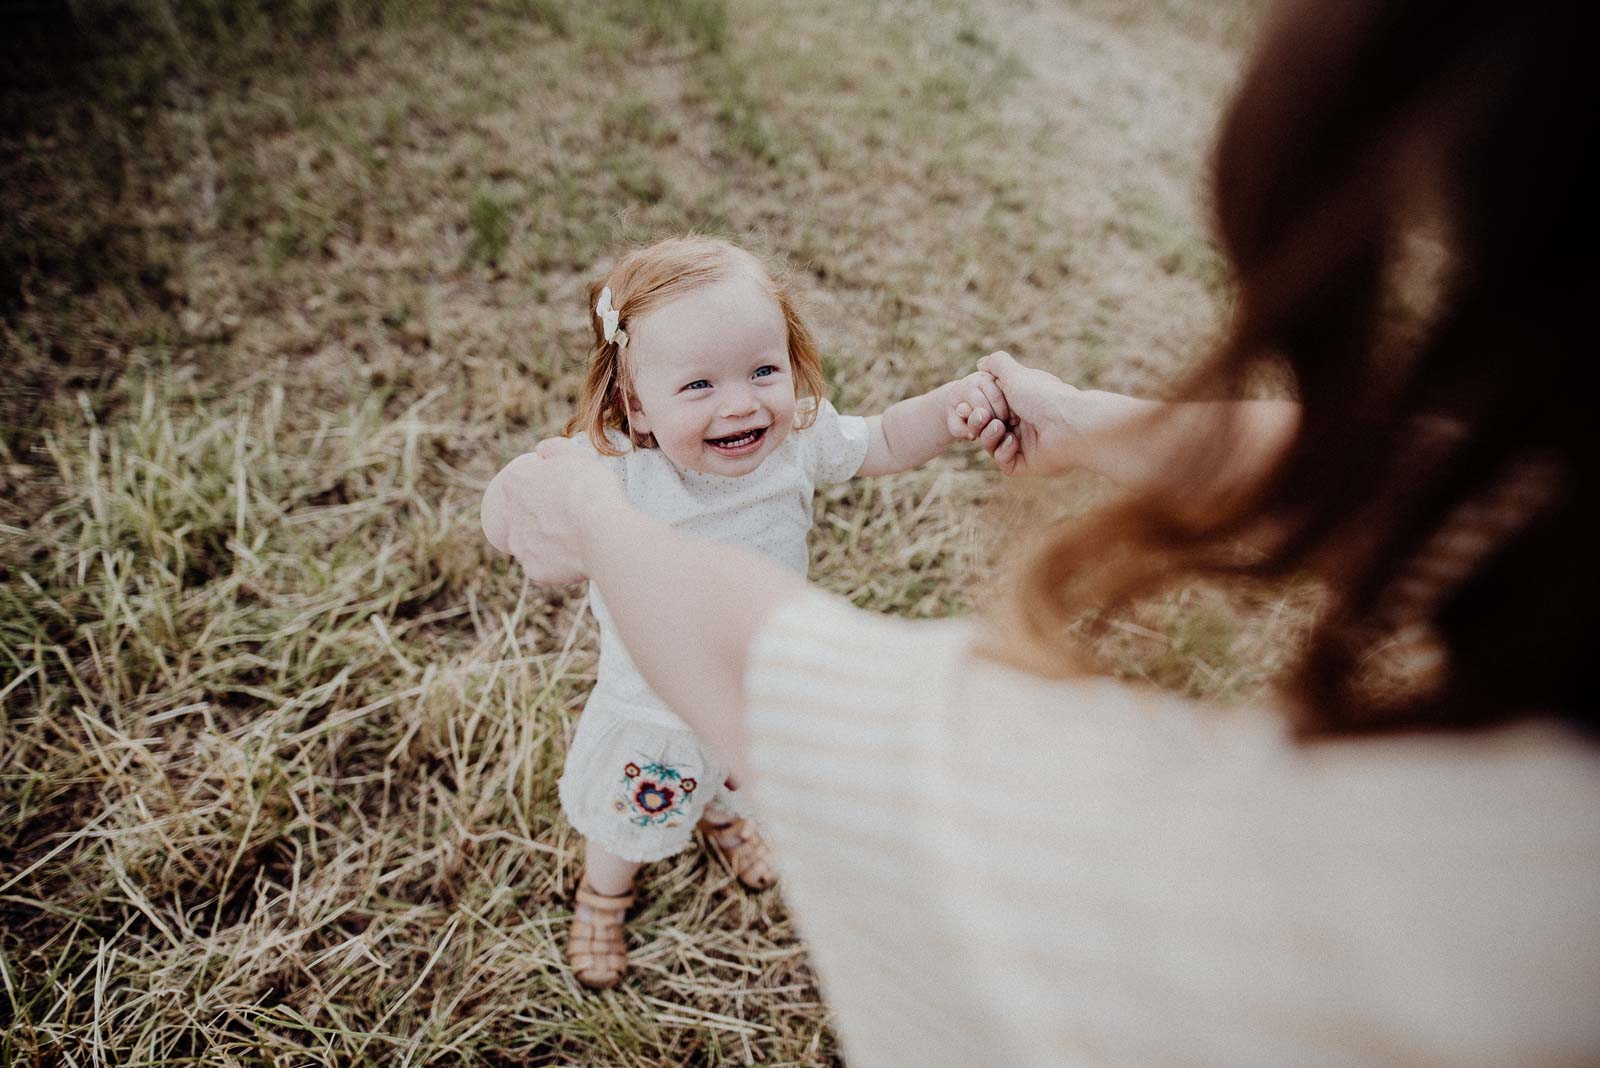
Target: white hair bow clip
{"type": "Point", "coordinates": [609, 317]}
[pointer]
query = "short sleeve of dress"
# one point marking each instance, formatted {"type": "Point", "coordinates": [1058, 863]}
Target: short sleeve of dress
{"type": "Point", "coordinates": [834, 446]}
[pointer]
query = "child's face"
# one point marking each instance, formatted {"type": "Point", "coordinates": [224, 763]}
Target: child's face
{"type": "Point", "coordinates": [711, 377]}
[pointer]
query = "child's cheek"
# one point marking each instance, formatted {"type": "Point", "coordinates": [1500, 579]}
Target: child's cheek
{"type": "Point", "coordinates": [782, 427]}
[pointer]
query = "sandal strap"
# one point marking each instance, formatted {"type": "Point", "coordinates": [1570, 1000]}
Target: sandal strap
{"type": "Point", "coordinates": [604, 902]}
{"type": "Point", "coordinates": [746, 851]}
{"type": "Point", "coordinates": [734, 831]}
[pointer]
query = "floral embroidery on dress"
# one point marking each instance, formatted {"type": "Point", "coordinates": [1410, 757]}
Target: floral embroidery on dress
{"type": "Point", "coordinates": [656, 792]}
{"type": "Point", "coordinates": [653, 799]}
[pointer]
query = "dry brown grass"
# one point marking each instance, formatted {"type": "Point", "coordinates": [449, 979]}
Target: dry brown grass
{"type": "Point", "coordinates": [278, 736]}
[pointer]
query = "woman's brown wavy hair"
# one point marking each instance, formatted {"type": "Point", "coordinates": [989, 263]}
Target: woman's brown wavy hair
{"type": "Point", "coordinates": [1442, 479]}
{"type": "Point", "coordinates": [647, 278]}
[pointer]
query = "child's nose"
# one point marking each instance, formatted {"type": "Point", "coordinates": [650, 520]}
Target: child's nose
{"type": "Point", "coordinates": [737, 402]}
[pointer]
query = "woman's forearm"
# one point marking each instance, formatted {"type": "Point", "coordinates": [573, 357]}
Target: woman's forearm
{"type": "Point", "coordinates": [1135, 442]}
{"type": "Point", "coordinates": [688, 611]}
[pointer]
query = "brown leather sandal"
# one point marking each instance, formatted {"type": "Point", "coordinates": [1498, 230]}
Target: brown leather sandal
{"type": "Point", "coordinates": [744, 851]}
{"type": "Point", "coordinates": [596, 950]}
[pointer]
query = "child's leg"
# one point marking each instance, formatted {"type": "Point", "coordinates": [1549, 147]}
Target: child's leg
{"type": "Point", "coordinates": [606, 872]}
{"type": "Point", "coordinates": [595, 944]}
{"type": "Point", "coordinates": [716, 814]}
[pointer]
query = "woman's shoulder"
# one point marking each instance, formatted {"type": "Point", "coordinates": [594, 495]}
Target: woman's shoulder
{"type": "Point", "coordinates": [826, 629]}
{"type": "Point", "coordinates": [818, 651]}
{"type": "Point", "coordinates": [827, 626]}
{"type": "Point", "coordinates": [950, 672]}
{"type": "Point", "coordinates": [934, 663]}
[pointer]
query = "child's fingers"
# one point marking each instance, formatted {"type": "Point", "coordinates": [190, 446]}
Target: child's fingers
{"type": "Point", "coordinates": [964, 422]}
{"type": "Point", "coordinates": [993, 396]}
{"type": "Point", "coordinates": [977, 421]}
{"type": "Point", "coordinates": [979, 403]}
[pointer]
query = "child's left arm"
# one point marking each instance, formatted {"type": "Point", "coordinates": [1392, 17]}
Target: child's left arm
{"type": "Point", "coordinates": [911, 432]}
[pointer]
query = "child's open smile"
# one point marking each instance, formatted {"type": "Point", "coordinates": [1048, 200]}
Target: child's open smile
{"type": "Point", "coordinates": [711, 377]}
{"type": "Point", "coordinates": [740, 444]}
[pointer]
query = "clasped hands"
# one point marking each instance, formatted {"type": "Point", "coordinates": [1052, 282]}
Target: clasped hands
{"type": "Point", "coordinates": [1028, 420]}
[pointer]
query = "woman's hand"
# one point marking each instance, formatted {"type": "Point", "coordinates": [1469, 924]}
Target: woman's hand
{"type": "Point", "coordinates": [541, 507]}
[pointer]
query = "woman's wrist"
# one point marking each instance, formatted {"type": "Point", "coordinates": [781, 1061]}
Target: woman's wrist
{"type": "Point", "coordinates": [1073, 426]}
{"type": "Point", "coordinates": [1104, 426]}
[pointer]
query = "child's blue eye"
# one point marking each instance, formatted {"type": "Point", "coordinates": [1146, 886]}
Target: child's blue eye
{"type": "Point", "coordinates": [762, 372]}
{"type": "Point", "coordinates": [698, 383]}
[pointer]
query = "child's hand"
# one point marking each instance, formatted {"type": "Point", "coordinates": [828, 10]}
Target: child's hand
{"type": "Point", "coordinates": [978, 410]}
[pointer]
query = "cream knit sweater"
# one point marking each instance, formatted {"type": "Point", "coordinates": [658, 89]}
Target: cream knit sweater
{"type": "Point", "coordinates": [992, 869]}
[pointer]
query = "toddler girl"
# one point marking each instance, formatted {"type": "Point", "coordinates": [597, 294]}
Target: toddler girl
{"type": "Point", "coordinates": [705, 396]}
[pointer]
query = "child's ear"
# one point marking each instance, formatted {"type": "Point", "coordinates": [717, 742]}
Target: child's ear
{"type": "Point", "coordinates": [636, 417]}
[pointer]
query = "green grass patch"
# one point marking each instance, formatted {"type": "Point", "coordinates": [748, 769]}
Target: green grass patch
{"type": "Point", "coordinates": [489, 219]}
{"type": "Point", "coordinates": [704, 23]}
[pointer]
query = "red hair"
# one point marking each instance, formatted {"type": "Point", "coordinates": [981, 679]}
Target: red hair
{"type": "Point", "coordinates": [646, 279]}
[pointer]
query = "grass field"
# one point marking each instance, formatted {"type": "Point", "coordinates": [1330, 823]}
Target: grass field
{"type": "Point", "coordinates": [278, 733]}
